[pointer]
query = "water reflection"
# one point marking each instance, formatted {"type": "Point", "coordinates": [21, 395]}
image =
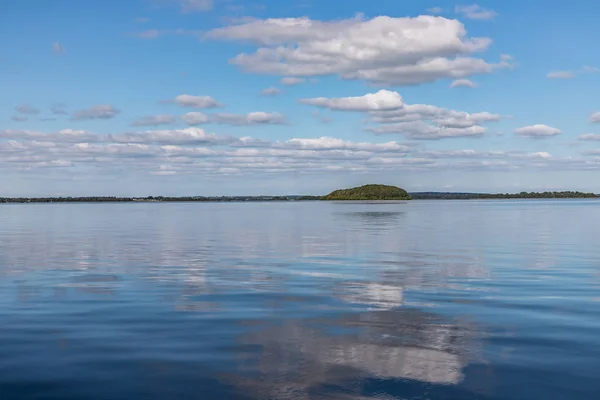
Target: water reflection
{"type": "Point", "coordinates": [299, 301]}
{"type": "Point", "coordinates": [302, 359]}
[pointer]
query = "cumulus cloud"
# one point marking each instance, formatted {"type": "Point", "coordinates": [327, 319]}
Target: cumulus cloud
{"type": "Point", "coordinates": [101, 111]}
{"type": "Point", "coordinates": [188, 100]}
{"type": "Point", "coordinates": [475, 11]}
{"type": "Point", "coordinates": [195, 118]}
{"type": "Point", "coordinates": [292, 81]}
{"type": "Point", "coordinates": [27, 109]}
{"type": "Point", "coordinates": [57, 48]}
{"type": "Point", "coordinates": [382, 50]}
{"type": "Point", "coordinates": [463, 83]}
{"type": "Point", "coordinates": [252, 118]}
{"type": "Point", "coordinates": [382, 100]}
{"type": "Point", "coordinates": [417, 121]}
{"type": "Point", "coordinates": [595, 117]}
{"type": "Point", "coordinates": [560, 75]}
{"type": "Point", "coordinates": [271, 91]}
{"type": "Point", "coordinates": [537, 131]}
{"type": "Point", "coordinates": [425, 122]}
{"type": "Point", "coordinates": [154, 120]}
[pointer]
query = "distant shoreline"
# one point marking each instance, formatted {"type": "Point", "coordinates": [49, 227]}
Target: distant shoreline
{"type": "Point", "coordinates": [239, 199]}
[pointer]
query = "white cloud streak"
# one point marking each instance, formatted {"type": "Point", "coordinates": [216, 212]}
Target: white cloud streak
{"type": "Point", "coordinates": [154, 120]}
{"type": "Point", "coordinates": [560, 75]}
{"type": "Point", "coordinates": [463, 83]}
{"type": "Point", "coordinates": [538, 131]}
{"type": "Point", "coordinates": [252, 118]}
{"type": "Point", "coordinates": [382, 100]}
{"type": "Point", "coordinates": [101, 111]}
{"type": "Point", "coordinates": [195, 118]}
{"type": "Point", "coordinates": [475, 11]}
{"type": "Point", "coordinates": [191, 101]}
{"type": "Point", "coordinates": [292, 81]}
{"type": "Point", "coordinates": [271, 91]}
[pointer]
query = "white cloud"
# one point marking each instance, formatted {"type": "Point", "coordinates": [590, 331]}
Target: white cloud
{"type": "Point", "coordinates": [195, 118]}
{"type": "Point", "coordinates": [188, 100]}
{"type": "Point", "coordinates": [57, 48]}
{"type": "Point", "coordinates": [590, 136]}
{"type": "Point", "coordinates": [589, 69]}
{"type": "Point", "coordinates": [329, 143]}
{"type": "Point", "coordinates": [252, 118]}
{"type": "Point", "coordinates": [442, 117]}
{"type": "Point", "coordinates": [271, 91]}
{"type": "Point", "coordinates": [537, 131]}
{"type": "Point", "coordinates": [417, 121]}
{"type": "Point", "coordinates": [101, 111]}
{"type": "Point", "coordinates": [193, 150]}
{"type": "Point", "coordinates": [560, 75]}
{"type": "Point", "coordinates": [419, 130]}
{"type": "Point", "coordinates": [172, 136]}
{"type": "Point", "coordinates": [595, 117]}
{"type": "Point", "coordinates": [382, 50]}
{"type": "Point", "coordinates": [27, 109]}
{"type": "Point", "coordinates": [463, 83]}
{"type": "Point", "coordinates": [292, 81]}
{"type": "Point", "coordinates": [475, 11]}
{"type": "Point", "coordinates": [191, 6]}
{"type": "Point", "coordinates": [61, 136]}
{"type": "Point", "coordinates": [154, 120]}
{"type": "Point", "coordinates": [382, 100]}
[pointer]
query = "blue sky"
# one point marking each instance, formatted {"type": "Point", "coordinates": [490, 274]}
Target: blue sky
{"type": "Point", "coordinates": [164, 96]}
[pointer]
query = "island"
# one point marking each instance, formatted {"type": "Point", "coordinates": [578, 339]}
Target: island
{"type": "Point", "coordinates": [492, 196]}
{"type": "Point", "coordinates": [362, 193]}
{"type": "Point", "coordinates": [369, 192]}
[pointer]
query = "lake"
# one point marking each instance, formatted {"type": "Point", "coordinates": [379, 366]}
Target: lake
{"type": "Point", "coordinates": [305, 300]}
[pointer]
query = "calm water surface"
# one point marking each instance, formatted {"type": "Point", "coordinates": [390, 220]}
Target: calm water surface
{"type": "Point", "coordinates": [421, 300]}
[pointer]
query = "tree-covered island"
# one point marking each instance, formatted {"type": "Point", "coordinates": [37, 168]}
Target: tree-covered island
{"type": "Point", "coordinates": [369, 192]}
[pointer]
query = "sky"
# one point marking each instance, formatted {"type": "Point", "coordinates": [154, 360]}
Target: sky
{"type": "Point", "coordinates": [229, 97]}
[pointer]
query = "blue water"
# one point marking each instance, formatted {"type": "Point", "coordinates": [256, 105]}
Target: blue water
{"type": "Point", "coordinates": [416, 300]}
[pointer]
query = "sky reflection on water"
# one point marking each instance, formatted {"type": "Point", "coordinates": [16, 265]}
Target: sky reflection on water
{"type": "Point", "coordinates": [448, 300]}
